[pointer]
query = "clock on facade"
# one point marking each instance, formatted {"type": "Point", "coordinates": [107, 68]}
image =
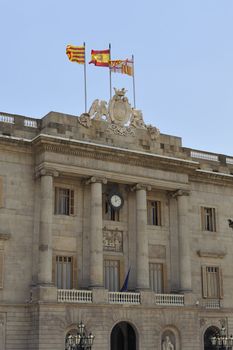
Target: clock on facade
{"type": "Point", "coordinates": [116, 200]}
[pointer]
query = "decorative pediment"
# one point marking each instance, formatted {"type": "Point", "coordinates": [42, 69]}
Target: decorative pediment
{"type": "Point", "coordinates": [211, 254]}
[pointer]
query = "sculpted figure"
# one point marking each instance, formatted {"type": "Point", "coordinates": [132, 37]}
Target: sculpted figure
{"type": "Point", "coordinates": [98, 110]}
{"type": "Point", "coordinates": [167, 344]}
{"type": "Point", "coordinates": [137, 119]}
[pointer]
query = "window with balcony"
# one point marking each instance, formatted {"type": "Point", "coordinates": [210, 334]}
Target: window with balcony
{"type": "Point", "coordinates": [64, 201]}
{"type": "Point", "coordinates": [112, 275]}
{"type": "Point", "coordinates": [1, 268]}
{"type": "Point", "coordinates": [208, 219]}
{"type": "Point", "coordinates": [156, 277]}
{"type": "Point", "coordinates": [154, 213]}
{"type": "Point", "coordinates": [212, 282]}
{"type": "Point", "coordinates": [65, 272]}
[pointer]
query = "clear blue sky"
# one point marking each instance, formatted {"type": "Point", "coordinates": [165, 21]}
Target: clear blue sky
{"type": "Point", "coordinates": [183, 53]}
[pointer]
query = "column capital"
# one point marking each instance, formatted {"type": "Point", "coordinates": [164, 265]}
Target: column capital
{"type": "Point", "coordinates": [179, 193]}
{"type": "Point", "coordinates": [95, 179]}
{"type": "Point", "coordinates": [139, 186]}
{"type": "Point", "coordinates": [46, 172]}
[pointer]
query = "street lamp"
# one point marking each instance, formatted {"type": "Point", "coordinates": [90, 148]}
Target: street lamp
{"type": "Point", "coordinates": [221, 341]}
{"type": "Point", "coordinates": [79, 341]}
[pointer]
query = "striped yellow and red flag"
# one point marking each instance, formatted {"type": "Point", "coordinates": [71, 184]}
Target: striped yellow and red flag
{"type": "Point", "coordinates": [76, 53]}
{"type": "Point", "coordinates": [100, 58]}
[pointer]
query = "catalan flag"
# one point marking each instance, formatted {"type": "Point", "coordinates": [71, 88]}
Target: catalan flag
{"type": "Point", "coordinates": [76, 53]}
{"type": "Point", "coordinates": [100, 58]}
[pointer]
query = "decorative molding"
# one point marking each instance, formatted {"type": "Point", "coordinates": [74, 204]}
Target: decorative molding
{"type": "Point", "coordinates": [5, 236]}
{"type": "Point", "coordinates": [112, 240]}
{"type": "Point", "coordinates": [179, 193]}
{"type": "Point", "coordinates": [46, 172]}
{"type": "Point", "coordinates": [139, 186]}
{"type": "Point", "coordinates": [211, 254]}
{"type": "Point", "coordinates": [95, 179]}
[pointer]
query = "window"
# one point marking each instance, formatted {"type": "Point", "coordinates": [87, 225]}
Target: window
{"type": "Point", "coordinates": [208, 219]}
{"type": "Point", "coordinates": [1, 192]}
{"type": "Point", "coordinates": [109, 213]}
{"type": "Point", "coordinates": [65, 272]}
{"type": "Point", "coordinates": [154, 213]}
{"type": "Point", "coordinates": [156, 277]}
{"type": "Point", "coordinates": [212, 282]}
{"type": "Point", "coordinates": [1, 268]}
{"type": "Point", "coordinates": [64, 201]}
{"type": "Point", "coordinates": [112, 275]}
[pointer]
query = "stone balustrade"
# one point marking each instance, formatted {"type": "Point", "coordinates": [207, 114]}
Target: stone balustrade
{"type": "Point", "coordinates": [86, 296]}
{"type": "Point", "coordinates": [124, 298]}
{"type": "Point", "coordinates": [169, 299]}
{"type": "Point", "coordinates": [74, 296]}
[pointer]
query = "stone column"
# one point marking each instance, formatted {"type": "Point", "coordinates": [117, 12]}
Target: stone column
{"type": "Point", "coordinates": [142, 264]}
{"type": "Point", "coordinates": [184, 241]}
{"type": "Point", "coordinates": [96, 233]}
{"type": "Point", "coordinates": [45, 236]}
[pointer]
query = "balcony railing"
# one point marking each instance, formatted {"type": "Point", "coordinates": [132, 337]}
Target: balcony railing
{"type": "Point", "coordinates": [7, 119]}
{"type": "Point", "coordinates": [169, 299]}
{"type": "Point", "coordinates": [211, 303]}
{"type": "Point", "coordinates": [30, 123]}
{"type": "Point", "coordinates": [74, 296]}
{"type": "Point", "coordinates": [124, 298]}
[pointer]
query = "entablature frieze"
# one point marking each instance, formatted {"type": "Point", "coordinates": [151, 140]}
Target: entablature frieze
{"type": "Point", "coordinates": [90, 175]}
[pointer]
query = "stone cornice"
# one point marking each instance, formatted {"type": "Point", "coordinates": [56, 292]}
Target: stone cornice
{"type": "Point", "coordinates": [211, 177]}
{"type": "Point", "coordinates": [179, 193]}
{"type": "Point", "coordinates": [78, 148]}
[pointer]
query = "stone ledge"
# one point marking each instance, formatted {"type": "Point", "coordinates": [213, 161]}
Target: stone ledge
{"type": "Point", "coordinates": [211, 254]}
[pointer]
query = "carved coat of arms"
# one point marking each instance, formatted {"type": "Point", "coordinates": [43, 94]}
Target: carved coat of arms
{"type": "Point", "coordinates": [119, 108]}
{"type": "Point", "coordinates": [122, 118]}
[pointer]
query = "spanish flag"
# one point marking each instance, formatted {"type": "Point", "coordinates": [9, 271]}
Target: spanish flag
{"type": "Point", "coordinates": [76, 53]}
{"type": "Point", "coordinates": [100, 58]}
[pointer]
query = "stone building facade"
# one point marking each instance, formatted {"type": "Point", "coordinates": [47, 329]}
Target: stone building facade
{"type": "Point", "coordinates": [86, 200]}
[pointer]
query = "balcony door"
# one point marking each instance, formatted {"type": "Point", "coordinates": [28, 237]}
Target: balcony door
{"type": "Point", "coordinates": [210, 332]}
{"type": "Point", "coordinates": [123, 337]}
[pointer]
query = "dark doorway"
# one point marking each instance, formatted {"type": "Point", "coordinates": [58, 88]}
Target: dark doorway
{"type": "Point", "coordinates": [210, 332]}
{"type": "Point", "coordinates": [123, 337]}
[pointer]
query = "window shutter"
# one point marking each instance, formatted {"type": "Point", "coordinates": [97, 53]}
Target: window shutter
{"type": "Point", "coordinates": [1, 268]}
{"type": "Point", "coordinates": [202, 218]}
{"type": "Point", "coordinates": [1, 192]}
{"type": "Point", "coordinates": [122, 272]}
{"type": "Point", "coordinates": [220, 283]}
{"type": "Point", "coordinates": [71, 202]}
{"type": "Point", "coordinates": [204, 282]}
{"type": "Point", "coordinates": [75, 272]}
{"type": "Point", "coordinates": [53, 268]}
{"type": "Point", "coordinates": [164, 271]}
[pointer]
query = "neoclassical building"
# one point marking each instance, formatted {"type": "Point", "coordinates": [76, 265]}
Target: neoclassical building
{"type": "Point", "coordinates": [94, 203]}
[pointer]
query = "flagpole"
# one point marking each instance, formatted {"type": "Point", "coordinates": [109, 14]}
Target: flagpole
{"type": "Point", "coordinates": [85, 78]}
{"type": "Point", "coordinates": [110, 73]}
{"type": "Point", "coordinates": [134, 98]}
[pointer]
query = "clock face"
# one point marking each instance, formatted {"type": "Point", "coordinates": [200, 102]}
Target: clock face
{"type": "Point", "coordinates": [116, 201]}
